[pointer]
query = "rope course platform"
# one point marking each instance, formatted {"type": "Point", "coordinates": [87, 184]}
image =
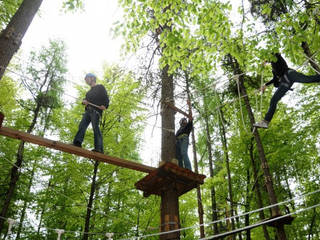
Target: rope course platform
{"type": "Point", "coordinates": [160, 179]}
{"type": "Point", "coordinates": [12, 133]}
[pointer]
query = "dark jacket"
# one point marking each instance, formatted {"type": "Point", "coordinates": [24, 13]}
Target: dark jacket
{"type": "Point", "coordinates": [98, 96]}
{"type": "Point", "coordinates": [279, 69]}
{"type": "Point", "coordinates": [185, 129]}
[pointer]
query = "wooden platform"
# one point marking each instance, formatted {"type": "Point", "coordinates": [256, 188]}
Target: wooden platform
{"type": "Point", "coordinates": [12, 133]}
{"type": "Point", "coordinates": [167, 174]}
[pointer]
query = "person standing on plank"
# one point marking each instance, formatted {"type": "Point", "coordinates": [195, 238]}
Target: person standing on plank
{"type": "Point", "coordinates": [283, 79]}
{"type": "Point", "coordinates": [95, 102]}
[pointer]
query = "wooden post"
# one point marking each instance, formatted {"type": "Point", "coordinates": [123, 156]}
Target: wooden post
{"type": "Point", "coordinates": [170, 213]}
{"type": "Point", "coordinates": [169, 182]}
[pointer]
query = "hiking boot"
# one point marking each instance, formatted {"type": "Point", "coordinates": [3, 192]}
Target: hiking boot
{"type": "Point", "coordinates": [261, 124]}
{"type": "Point", "coordinates": [77, 144]}
{"type": "Point", "coordinates": [95, 150]}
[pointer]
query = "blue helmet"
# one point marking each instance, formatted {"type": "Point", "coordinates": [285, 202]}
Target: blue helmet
{"type": "Point", "coordinates": [90, 75]}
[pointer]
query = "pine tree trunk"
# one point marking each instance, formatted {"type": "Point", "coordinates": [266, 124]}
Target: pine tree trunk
{"type": "Point", "coordinates": [258, 193]}
{"type": "Point", "coordinates": [14, 171]}
{"type": "Point", "coordinates": [90, 202]}
{"type": "Point", "coordinates": [167, 117]}
{"type": "Point", "coordinates": [213, 192]}
{"type": "Point", "coordinates": [264, 164]}
{"type": "Point", "coordinates": [11, 36]}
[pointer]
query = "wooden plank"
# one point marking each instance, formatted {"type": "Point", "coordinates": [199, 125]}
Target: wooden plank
{"type": "Point", "coordinates": [12, 133]}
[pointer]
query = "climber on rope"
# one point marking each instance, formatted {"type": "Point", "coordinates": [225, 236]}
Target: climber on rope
{"type": "Point", "coordinates": [95, 102]}
{"type": "Point", "coordinates": [283, 79]}
{"type": "Point", "coordinates": [182, 137]}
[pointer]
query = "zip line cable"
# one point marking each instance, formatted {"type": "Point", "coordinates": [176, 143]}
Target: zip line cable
{"type": "Point", "coordinates": [229, 218]}
{"type": "Point", "coordinates": [44, 182]}
{"type": "Point", "coordinates": [256, 90]}
{"type": "Point", "coordinates": [76, 98]}
{"type": "Point", "coordinates": [65, 196]}
{"type": "Point", "coordinates": [260, 223]}
{"type": "Point", "coordinates": [238, 75]}
{"type": "Point", "coordinates": [217, 221]}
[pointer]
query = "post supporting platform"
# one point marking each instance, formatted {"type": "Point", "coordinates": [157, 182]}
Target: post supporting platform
{"type": "Point", "coordinates": [169, 181]}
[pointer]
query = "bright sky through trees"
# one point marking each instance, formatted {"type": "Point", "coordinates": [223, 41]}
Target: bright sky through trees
{"type": "Point", "coordinates": [86, 34]}
{"type": "Point", "coordinates": [90, 44]}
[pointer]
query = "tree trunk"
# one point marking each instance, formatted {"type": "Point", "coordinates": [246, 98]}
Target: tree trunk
{"type": "Point", "coordinates": [226, 154]}
{"type": "Point", "coordinates": [90, 202]}
{"type": "Point", "coordinates": [213, 192]}
{"type": "Point", "coordinates": [307, 52]}
{"type": "Point", "coordinates": [14, 171]}
{"type": "Point", "coordinates": [238, 224]}
{"type": "Point", "coordinates": [247, 207]}
{"type": "Point", "coordinates": [258, 193]}
{"type": "Point", "coordinates": [167, 117]}
{"type": "Point", "coordinates": [25, 203]}
{"type": "Point", "coordinates": [11, 36]}
{"type": "Point", "coordinates": [43, 209]}
{"type": "Point", "coordinates": [196, 170]}
{"type": "Point", "coordinates": [264, 164]}
{"type": "Point", "coordinates": [313, 220]}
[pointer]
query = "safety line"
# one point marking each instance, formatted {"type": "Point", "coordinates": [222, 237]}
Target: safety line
{"type": "Point", "coordinates": [260, 223]}
{"type": "Point", "coordinates": [229, 218]}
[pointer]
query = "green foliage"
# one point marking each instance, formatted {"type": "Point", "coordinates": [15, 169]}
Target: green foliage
{"type": "Point", "coordinates": [7, 10]}
{"type": "Point", "coordinates": [203, 40]}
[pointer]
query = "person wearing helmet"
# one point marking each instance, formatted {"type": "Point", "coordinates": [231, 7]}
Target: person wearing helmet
{"type": "Point", "coordinates": [182, 142]}
{"type": "Point", "coordinates": [95, 102]}
{"type": "Point", "coordinates": [283, 79]}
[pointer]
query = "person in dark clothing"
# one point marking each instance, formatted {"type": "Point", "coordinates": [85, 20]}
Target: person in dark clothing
{"type": "Point", "coordinates": [182, 142]}
{"type": "Point", "coordinates": [283, 79]}
{"type": "Point", "coordinates": [95, 102]}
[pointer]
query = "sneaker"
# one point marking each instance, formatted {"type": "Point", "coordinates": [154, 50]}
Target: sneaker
{"type": "Point", "coordinates": [261, 124]}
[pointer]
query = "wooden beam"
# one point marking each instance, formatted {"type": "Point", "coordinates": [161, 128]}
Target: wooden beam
{"type": "Point", "coordinates": [12, 133]}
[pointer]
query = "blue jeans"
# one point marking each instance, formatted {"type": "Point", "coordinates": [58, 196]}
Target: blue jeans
{"type": "Point", "coordinates": [293, 76]}
{"type": "Point", "coordinates": [182, 145]}
{"type": "Point", "coordinates": [90, 115]}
